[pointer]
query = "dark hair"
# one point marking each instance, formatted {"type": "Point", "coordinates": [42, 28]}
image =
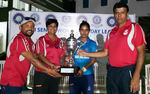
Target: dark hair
{"type": "Point", "coordinates": [50, 21]}
{"type": "Point", "coordinates": [84, 23]}
{"type": "Point", "coordinates": [120, 5]}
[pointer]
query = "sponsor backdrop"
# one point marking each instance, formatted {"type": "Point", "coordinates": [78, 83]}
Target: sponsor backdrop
{"type": "Point", "coordinates": [100, 23]}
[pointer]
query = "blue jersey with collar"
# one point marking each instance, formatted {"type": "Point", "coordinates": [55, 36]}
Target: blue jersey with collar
{"type": "Point", "coordinates": [80, 61]}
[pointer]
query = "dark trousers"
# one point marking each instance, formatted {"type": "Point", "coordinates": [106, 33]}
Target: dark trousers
{"type": "Point", "coordinates": [118, 79]}
{"type": "Point", "coordinates": [81, 85]}
{"type": "Point", "coordinates": [45, 84]}
{"type": "Point", "coordinates": [10, 89]}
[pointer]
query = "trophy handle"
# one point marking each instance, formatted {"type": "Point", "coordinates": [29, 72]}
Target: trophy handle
{"type": "Point", "coordinates": [62, 44]}
{"type": "Point", "coordinates": [78, 47]}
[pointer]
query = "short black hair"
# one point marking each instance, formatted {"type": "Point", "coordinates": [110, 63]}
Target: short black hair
{"type": "Point", "coordinates": [84, 23]}
{"type": "Point", "coordinates": [120, 5]}
{"type": "Point", "coordinates": [50, 21]}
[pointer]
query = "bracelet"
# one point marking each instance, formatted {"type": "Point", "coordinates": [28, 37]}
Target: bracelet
{"type": "Point", "coordinates": [83, 69]}
{"type": "Point", "coordinates": [49, 70]}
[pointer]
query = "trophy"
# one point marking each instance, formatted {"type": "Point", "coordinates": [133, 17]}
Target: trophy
{"type": "Point", "coordinates": [71, 46]}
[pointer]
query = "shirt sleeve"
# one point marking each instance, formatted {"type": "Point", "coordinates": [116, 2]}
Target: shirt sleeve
{"type": "Point", "coordinates": [139, 37]}
{"type": "Point", "coordinates": [39, 48]}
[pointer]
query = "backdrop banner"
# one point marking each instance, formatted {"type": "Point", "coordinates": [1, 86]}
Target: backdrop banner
{"type": "Point", "coordinates": [100, 23]}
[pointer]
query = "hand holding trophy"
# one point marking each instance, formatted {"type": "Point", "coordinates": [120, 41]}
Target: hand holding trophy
{"type": "Point", "coordinates": [71, 46]}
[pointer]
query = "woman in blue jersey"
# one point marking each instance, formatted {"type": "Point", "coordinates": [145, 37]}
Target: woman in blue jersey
{"type": "Point", "coordinates": [84, 83]}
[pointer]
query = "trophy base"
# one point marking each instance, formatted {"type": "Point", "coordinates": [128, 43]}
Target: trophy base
{"type": "Point", "coordinates": [69, 71]}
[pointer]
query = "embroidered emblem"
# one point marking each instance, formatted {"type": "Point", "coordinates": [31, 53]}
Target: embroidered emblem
{"type": "Point", "coordinates": [125, 32]}
{"type": "Point", "coordinates": [21, 58]}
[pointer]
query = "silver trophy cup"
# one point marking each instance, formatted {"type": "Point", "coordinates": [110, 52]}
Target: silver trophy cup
{"type": "Point", "coordinates": [71, 46]}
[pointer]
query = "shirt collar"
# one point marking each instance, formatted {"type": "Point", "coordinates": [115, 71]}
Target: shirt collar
{"type": "Point", "coordinates": [126, 24]}
{"type": "Point", "coordinates": [88, 39]}
{"type": "Point", "coordinates": [22, 35]}
{"type": "Point", "coordinates": [47, 38]}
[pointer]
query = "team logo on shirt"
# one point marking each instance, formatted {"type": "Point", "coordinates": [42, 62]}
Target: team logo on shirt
{"type": "Point", "coordinates": [18, 18]}
{"type": "Point", "coordinates": [21, 58]}
{"type": "Point", "coordinates": [125, 32]}
{"type": "Point", "coordinates": [81, 57]}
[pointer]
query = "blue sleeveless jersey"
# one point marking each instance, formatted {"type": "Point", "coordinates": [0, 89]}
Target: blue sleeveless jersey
{"type": "Point", "coordinates": [80, 61]}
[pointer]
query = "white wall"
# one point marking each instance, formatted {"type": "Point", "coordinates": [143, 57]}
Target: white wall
{"type": "Point", "coordinates": [140, 8]}
{"type": "Point", "coordinates": [3, 35]}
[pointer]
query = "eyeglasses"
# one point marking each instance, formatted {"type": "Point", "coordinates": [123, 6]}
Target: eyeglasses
{"type": "Point", "coordinates": [29, 18]}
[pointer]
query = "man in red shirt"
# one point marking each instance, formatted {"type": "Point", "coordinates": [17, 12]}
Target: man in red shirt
{"type": "Point", "coordinates": [125, 47]}
{"type": "Point", "coordinates": [20, 55]}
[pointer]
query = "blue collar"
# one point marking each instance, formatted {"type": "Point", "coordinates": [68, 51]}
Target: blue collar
{"type": "Point", "coordinates": [88, 39]}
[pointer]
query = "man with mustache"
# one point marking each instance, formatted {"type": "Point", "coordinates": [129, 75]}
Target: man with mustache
{"type": "Point", "coordinates": [20, 55]}
{"type": "Point", "coordinates": [124, 45]}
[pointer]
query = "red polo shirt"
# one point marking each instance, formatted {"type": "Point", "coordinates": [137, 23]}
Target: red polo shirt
{"type": "Point", "coordinates": [16, 66]}
{"type": "Point", "coordinates": [50, 49]}
{"type": "Point", "coordinates": [122, 43]}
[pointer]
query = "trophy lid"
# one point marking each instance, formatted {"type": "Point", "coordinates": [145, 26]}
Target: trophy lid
{"type": "Point", "coordinates": [72, 35]}
{"type": "Point", "coordinates": [71, 42]}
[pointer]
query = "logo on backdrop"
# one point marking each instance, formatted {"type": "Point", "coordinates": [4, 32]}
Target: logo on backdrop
{"type": "Point", "coordinates": [80, 19]}
{"type": "Point", "coordinates": [96, 21]}
{"type": "Point", "coordinates": [111, 21]}
{"type": "Point", "coordinates": [50, 17]}
{"type": "Point", "coordinates": [36, 17]}
{"type": "Point", "coordinates": [66, 19]}
{"type": "Point", "coordinates": [18, 18]}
